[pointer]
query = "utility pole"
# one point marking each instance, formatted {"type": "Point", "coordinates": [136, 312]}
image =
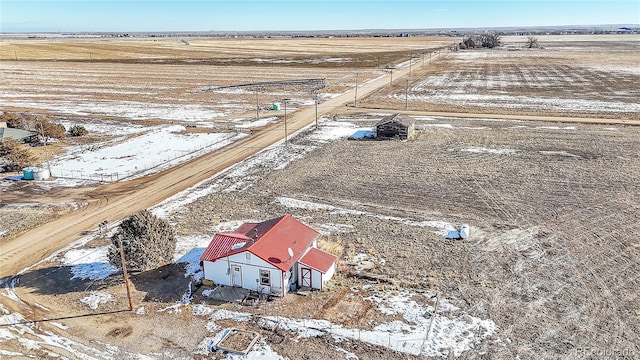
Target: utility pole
{"type": "Point", "coordinates": [355, 99]}
{"type": "Point", "coordinates": [315, 96]}
{"type": "Point", "coordinates": [124, 270]}
{"type": "Point", "coordinates": [406, 95]}
{"type": "Point", "coordinates": [286, 143]}
{"type": "Point", "coordinates": [410, 62]}
{"type": "Point", "coordinates": [46, 150]}
{"type": "Point", "coordinates": [257, 106]}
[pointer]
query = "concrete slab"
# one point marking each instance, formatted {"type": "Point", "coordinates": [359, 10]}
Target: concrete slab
{"type": "Point", "coordinates": [304, 291]}
{"type": "Point", "coordinates": [229, 294]}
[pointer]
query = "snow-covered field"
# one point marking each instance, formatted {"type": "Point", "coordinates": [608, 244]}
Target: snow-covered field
{"type": "Point", "coordinates": [160, 147]}
{"type": "Point", "coordinates": [126, 109]}
{"type": "Point", "coordinates": [422, 330]}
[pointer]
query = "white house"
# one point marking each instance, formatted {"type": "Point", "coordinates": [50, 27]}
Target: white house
{"type": "Point", "coordinates": [270, 257]}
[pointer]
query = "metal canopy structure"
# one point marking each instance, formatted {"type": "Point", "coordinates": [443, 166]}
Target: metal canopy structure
{"type": "Point", "coordinates": [313, 84]}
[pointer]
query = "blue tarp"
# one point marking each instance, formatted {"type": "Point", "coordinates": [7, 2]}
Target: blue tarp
{"type": "Point", "coordinates": [363, 134]}
{"type": "Point", "coordinates": [453, 234]}
{"type": "Point", "coordinates": [15, 178]}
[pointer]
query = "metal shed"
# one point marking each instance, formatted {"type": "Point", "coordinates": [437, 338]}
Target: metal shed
{"type": "Point", "coordinates": [396, 126]}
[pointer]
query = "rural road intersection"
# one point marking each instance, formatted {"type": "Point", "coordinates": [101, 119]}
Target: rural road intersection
{"type": "Point", "coordinates": [119, 200]}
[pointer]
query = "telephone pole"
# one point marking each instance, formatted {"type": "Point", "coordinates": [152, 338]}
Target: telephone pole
{"type": "Point", "coordinates": [406, 95]}
{"type": "Point", "coordinates": [315, 97]}
{"type": "Point", "coordinates": [410, 62]}
{"type": "Point", "coordinates": [124, 270]}
{"type": "Point", "coordinates": [355, 99]}
{"type": "Point", "coordinates": [257, 106]}
{"type": "Point", "coordinates": [286, 143]}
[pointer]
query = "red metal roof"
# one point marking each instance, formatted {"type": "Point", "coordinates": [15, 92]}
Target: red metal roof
{"type": "Point", "coordinates": [244, 228]}
{"type": "Point", "coordinates": [269, 240]}
{"type": "Point", "coordinates": [223, 245]}
{"type": "Point", "coordinates": [318, 259]}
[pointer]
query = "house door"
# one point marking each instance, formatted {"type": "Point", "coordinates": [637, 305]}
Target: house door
{"type": "Point", "coordinates": [305, 280]}
{"type": "Point", "coordinates": [236, 274]}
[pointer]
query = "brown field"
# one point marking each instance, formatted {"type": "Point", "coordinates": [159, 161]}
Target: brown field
{"type": "Point", "coordinates": [360, 51]}
{"type": "Point", "coordinates": [552, 259]}
{"type": "Point", "coordinates": [150, 79]}
{"type": "Point", "coordinates": [553, 256]}
{"type": "Point", "coordinates": [582, 77]}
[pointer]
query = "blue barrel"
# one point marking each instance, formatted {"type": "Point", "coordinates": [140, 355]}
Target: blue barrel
{"type": "Point", "coordinates": [27, 173]}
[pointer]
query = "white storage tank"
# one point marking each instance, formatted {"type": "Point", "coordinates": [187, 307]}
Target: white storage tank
{"type": "Point", "coordinates": [464, 231]}
{"type": "Point", "coordinates": [41, 174]}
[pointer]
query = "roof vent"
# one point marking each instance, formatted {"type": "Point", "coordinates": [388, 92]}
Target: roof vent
{"type": "Point", "coordinates": [238, 246]}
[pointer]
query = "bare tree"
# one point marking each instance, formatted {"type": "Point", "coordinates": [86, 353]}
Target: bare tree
{"type": "Point", "coordinates": [468, 43]}
{"type": "Point", "coordinates": [532, 42]}
{"type": "Point", "coordinates": [47, 129]}
{"type": "Point", "coordinates": [18, 120]}
{"type": "Point", "coordinates": [485, 40]}
{"type": "Point", "coordinates": [489, 40]}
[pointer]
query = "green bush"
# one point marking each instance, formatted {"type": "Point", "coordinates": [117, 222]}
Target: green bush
{"type": "Point", "coordinates": [148, 242]}
{"type": "Point", "coordinates": [78, 130]}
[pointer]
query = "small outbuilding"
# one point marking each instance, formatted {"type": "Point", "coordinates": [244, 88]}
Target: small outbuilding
{"type": "Point", "coordinates": [271, 257]}
{"type": "Point", "coordinates": [20, 135]}
{"type": "Point", "coordinates": [396, 126]}
{"type": "Point", "coordinates": [316, 268]}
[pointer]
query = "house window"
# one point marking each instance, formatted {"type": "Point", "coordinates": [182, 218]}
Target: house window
{"type": "Point", "coordinates": [265, 278]}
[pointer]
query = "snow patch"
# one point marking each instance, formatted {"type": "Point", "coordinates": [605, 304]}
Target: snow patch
{"type": "Point", "coordinates": [95, 298]}
{"type": "Point", "coordinates": [560, 153]}
{"type": "Point", "coordinates": [331, 228]}
{"type": "Point", "coordinates": [89, 263]}
{"type": "Point", "coordinates": [443, 226]}
{"type": "Point", "coordinates": [483, 150]}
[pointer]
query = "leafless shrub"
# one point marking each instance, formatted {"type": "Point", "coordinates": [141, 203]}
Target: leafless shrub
{"type": "Point", "coordinates": [15, 155]}
{"type": "Point", "coordinates": [485, 40]}
{"type": "Point", "coordinates": [331, 245]}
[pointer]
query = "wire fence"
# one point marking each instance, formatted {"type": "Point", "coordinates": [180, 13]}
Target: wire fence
{"type": "Point", "coordinates": [110, 177]}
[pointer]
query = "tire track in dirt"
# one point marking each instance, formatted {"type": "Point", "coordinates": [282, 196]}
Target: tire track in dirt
{"type": "Point", "coordinates": [120, 200]}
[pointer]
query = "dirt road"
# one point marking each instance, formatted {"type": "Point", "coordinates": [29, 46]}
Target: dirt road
{"type": "Point", "coordinates": [119, 200]}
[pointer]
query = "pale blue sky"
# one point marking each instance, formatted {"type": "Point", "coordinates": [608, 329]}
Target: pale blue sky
{"type": "Point", "coordinates": [213, 15]}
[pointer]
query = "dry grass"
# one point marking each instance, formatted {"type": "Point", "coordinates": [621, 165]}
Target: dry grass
{"type": "Point", "coordinates": [267, 51]}
{"type": "Point", "coordinates": [581, 79]}
{"type": "Point", "coordinates": [552, 259]}
{"type": "Point", "coordinates": [332, 244]}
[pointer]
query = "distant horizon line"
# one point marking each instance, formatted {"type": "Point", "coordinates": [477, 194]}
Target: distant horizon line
{"type": "Point", "coordinates": [450, 29]}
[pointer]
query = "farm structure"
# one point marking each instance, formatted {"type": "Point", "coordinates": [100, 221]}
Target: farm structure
{"type": "Point", "coordinates": [271, 257]}
{"type": "Point", "coordinates": [396, 126]}
{"type": "Point", "coordinates": [20, 135]}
